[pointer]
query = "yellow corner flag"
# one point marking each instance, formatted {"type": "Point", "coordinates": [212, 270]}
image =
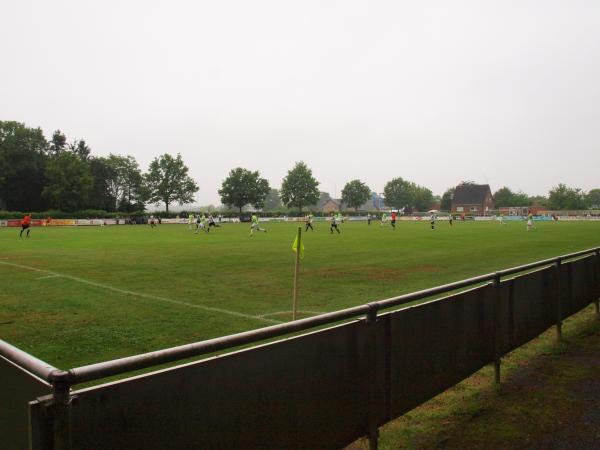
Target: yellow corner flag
{"type": "Point", "coordinates": [295, 247]}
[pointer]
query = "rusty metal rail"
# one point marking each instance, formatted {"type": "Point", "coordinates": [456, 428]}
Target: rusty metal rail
{"type": "Point", "coordinates": [30, 363]}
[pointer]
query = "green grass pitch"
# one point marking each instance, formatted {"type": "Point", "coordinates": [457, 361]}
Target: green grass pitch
{"type": "Point", "coordinates": [78, 295]}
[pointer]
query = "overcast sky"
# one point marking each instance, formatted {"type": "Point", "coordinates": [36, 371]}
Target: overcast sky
{"type": "Point", "coordinates": [505, 92]}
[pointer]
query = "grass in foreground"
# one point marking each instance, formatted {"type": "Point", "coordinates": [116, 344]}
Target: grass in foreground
{"type": "Point", "coordinates": [74, 296]}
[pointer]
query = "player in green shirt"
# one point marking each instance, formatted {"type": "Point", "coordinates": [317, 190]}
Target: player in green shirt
{"type": "Point", "coordinates": [190, 221]}
{"type": "Point", "coordinates": [383, 219]}
{"type": "Point", "coordinates": [255, 225]}
{"type": "Point", "coordinates": [530, 222]}
{"type": "Point", "coordinates": [201, 224]}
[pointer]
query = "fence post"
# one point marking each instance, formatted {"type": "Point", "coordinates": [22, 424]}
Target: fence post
{"type": "Point", "coordinates": [371, 321]}
{"type": "Point", "coordinates": [597, 291]}
{"type": "Point", "coordinates": [558, 287]}
{"type": "Point", "coordinates": [497, 358]}
{"type": "Point", "coordinates": [61, 411]}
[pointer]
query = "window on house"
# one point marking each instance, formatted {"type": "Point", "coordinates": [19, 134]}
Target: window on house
{"type": "Point", "coordinates": [459, 209]}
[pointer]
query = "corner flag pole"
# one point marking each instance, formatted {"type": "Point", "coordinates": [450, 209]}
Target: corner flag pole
{"type": "Point", "coordinates": [297, 272]}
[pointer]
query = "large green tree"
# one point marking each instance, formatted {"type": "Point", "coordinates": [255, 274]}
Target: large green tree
{"type": "Point", "coordinates": [400, 193]}
{"type": "Point", "coordinates": [446, 201]}
{"type": "Point", "coordinates": [167, 181]}
{"type": "Point", "coordinates": [126, 182]}
{"type": "Point", "coordinates": [505, 197]}
{"type": "Point", "coordinates": [592, 199]}
{"type": "Point", "coordinates": [22, 166]}
{"type": "Point", "coordinates": [563, 197]}
{"type": "Point", "coordinates": [538, 200]}
{"type": "Point", "coordinates": [81, 149]}
{"type": "Point", "coordinates": [57, 144]}
{"type": "Point", "coordinates": [69, 182]}
{"type": "Point", "coordinates": [355, 193]}
{"type": "Point", "coordinates": [100, 195]}
{"type": "Point", "coordinates": [243, 187]}
{"type": "Point", "coordinates": [118, 183]}
{"type": "Point", "coordinates": [299, 188]}
{"type": "Point", "coordinates": [422, 198]}
{"type": "Point", "coordinates": [133, 183]}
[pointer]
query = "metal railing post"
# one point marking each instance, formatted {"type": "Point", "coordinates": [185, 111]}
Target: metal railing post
{"type": "Point", "coordinates": [558, 287]}
{"type": "Point", "coordinates": [61, 411]}
{"type": "Point", "coordinates": [497, 358]}
{"type": "Point", "coordinates": [371, 320]}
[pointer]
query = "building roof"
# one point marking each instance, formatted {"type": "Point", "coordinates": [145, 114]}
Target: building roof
{"type": "Point", "coordinates": [471, 194]}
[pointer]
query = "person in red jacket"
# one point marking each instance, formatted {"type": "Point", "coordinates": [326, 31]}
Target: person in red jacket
{"type": "Point", "coordinates": [25, 224]}
{"type": "Point", "coordinates": [394, 219]}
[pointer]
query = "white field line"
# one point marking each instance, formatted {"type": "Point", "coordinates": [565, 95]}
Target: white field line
{"type": "Point", "coordinates": [54, 275]}
{"type": "Point", "coordinates": [142, 295]}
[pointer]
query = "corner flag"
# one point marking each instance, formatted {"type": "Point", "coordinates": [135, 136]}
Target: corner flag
{"type": "Point", "coordinates": [295, 247]}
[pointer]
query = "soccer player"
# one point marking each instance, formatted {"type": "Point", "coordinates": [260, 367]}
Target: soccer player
{"type": "Point", "coordinates": [201, 224]}
{"type": "Point", "coordinates": [211, 222]}
{"type": "Point", "coordinates": [335, 221]}
{"type": "Point", "coordinates": [383, 219]}
{"type": "Point", "coordinates": [308, 221]}
{"type": "Point", "coordinates": [255, 225]}
{"type": "Point", "coordinates": [393, 222]}
{"type": "Point", "coordinates": [190, 221]}
{"type": "Point", "coordinates": [530, 222]}
{"type": "Point", "coordinates": [25, 224]}
{"type": "Point", "coordinates": [369, 218]}
{"type": "Point", "coordinates": [152, 224]}
{"type": "Point", "coordinates": [502, 219]}
{"type": "Point", "coordinates": [450, 219]}
{"type": "Point", "coordinates": [432, 221]}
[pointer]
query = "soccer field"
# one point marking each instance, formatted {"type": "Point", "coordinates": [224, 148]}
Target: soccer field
{"type": "Point", "coordinates": [77, 295]}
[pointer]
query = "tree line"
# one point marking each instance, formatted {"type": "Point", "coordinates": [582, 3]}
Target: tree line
{"type": "Point", "coordinates": [300, 190]}
{"type": "Point", "coordinates": [37, 174]}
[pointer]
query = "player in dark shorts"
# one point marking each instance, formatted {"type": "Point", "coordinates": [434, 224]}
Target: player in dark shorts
{"type": "Point", "coordinates": [25, 224]}
{"type": "Point", "coordinates": [450, 219]}
{"type": "Point", "coordinates": [334, 224]}
{"type": "Point", "coordinates": [393, 222]}
{"type": "Point", "coordinates": [211, 221]}
{"type": "Point", "coordinates": [432, 221]}
{"type": "Point", "coordinates": [308, 222]}
{"type": "Point", "coordinates": [152, 223]}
